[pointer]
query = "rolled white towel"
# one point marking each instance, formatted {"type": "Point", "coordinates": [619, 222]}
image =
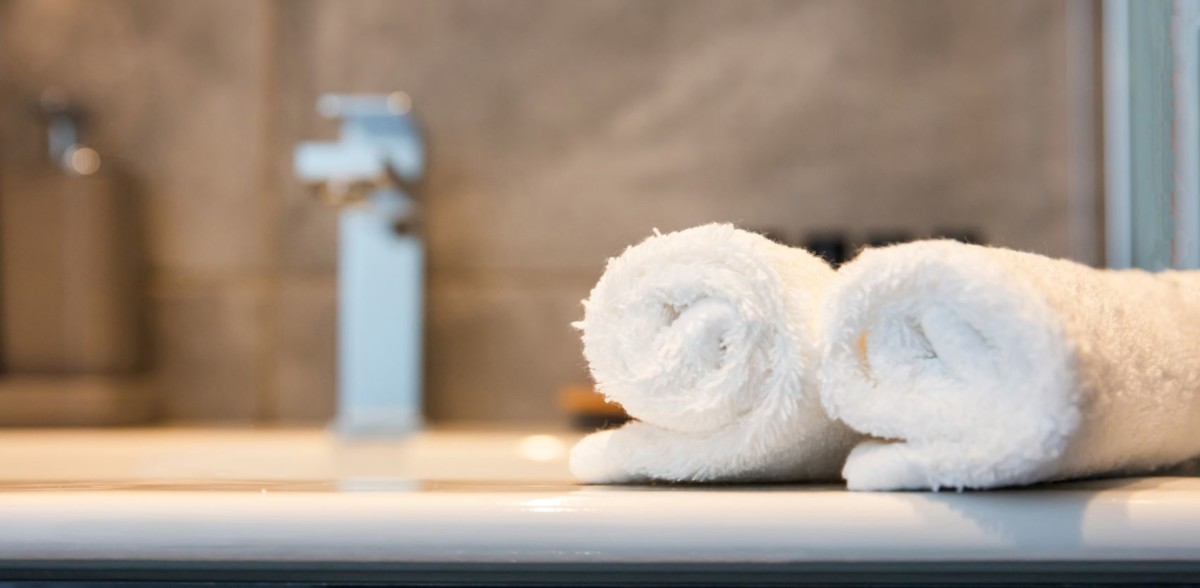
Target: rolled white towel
{"type": "Point", "coordinates": [985, 367]}
{"type": "Point", "coordinates": [706, 336]}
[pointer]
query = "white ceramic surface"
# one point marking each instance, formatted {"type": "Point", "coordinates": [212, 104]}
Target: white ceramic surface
{"type": "Point", "coordinates": [502, 497]}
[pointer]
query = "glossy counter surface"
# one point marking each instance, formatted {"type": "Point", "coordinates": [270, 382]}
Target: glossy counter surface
{"type": "Point", "coordinates": [478, 497]}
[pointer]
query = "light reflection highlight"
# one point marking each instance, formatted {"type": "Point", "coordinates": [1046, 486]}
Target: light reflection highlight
{"type": "Point", "coordinates": [541, 448]}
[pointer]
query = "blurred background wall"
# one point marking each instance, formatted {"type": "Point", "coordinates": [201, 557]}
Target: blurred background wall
{"type": "Point", "coordinates": [560, 132]}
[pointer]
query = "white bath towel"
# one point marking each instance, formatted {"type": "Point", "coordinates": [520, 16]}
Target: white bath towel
{"type": "Point", "coordinates": [981, 367]}
{"type": "Point", "coordinates": [706, 337]}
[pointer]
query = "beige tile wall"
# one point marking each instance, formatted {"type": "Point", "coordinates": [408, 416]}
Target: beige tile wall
{"type": "Point", "coordinates": [560, 132]}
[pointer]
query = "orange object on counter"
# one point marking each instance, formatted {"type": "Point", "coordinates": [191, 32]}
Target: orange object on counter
{"type": "Point", "coordinates": [589, 409]}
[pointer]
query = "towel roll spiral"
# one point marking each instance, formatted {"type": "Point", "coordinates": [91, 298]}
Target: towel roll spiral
{"type": "Point", "coordinates": [707, 337]}
{"type": "Point", "coordinates": [980, 367]}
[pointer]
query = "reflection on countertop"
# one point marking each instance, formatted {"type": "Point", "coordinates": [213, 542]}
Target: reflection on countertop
{"type": "Point", "coordinates": [206, 455]}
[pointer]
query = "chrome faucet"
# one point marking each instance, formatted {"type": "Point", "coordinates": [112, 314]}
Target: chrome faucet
{"type": "Point", "coordinates": [371, 174]}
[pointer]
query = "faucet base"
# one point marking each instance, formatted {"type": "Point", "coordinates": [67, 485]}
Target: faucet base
{"type": "Point", "coordinates": [376, 423]}
{"type": "Point", "coordinates": [380, 327]}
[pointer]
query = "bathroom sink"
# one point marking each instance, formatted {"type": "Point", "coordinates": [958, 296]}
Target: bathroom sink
{"type": "Point", "coordinates": [499, 507]}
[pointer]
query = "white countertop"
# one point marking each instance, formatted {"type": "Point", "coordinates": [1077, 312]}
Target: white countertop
{"type": "Point", "coordinates": [505, 497]}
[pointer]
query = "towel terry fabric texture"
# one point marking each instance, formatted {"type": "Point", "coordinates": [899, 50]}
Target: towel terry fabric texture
{"type": "Point", "coordinates": [980, 367]}
{"type": "Point", "coordinates": [953, 365]}
{"type": "Point", "coordinates": [706, 337]}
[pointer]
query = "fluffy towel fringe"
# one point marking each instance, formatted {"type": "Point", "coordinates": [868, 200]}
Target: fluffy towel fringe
{"type": "Point", "coordinates": [985, 367]}
{"type": "Point", "coordinates": [707, 337]}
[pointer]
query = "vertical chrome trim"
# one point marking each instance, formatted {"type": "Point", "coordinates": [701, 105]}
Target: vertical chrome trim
{"type": "Point", "coordinates": [1117, 174]}
{"type": "Point", "coordinates": [1185, 45]}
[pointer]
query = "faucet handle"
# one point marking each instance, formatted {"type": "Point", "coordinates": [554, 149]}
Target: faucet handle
{"type": "Point", "coordinates": [344, 106]}
{"type": "Point", "coordinates": [380, 145]}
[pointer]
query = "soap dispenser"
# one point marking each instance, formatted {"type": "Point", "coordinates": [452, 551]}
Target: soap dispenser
{"type": "Point", "coordinates": [69, 265]}
{"type": "Point", "coordinates": [71, 282]}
